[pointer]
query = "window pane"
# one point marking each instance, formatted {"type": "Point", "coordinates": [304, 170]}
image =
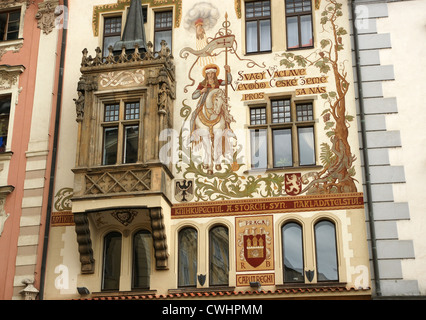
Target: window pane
{"type": "Point", "coordinates": [187, 264]}
{"type": "Point", "coordinates": [162, 35]}
{"type": "Point", "coordinates": [306, 30]}
{"type": "Point", "coordinates": [110, 146]}
{"type": "Point", "coordinates": [3, 21]}
{"type": "Point", "coordinates": [109, 41]}
{"type": "Point", "coordinates": [131, 139]}
{"type": "Point", "coordinates": [283, 156]}
{"type": "Point", "coordinates": [293, 253]}
{"type": "Point", "coordinates": [292, 33]}
{"type": "Point", "coordinates": [251, 36]}
{"type": "Point", "coordinates": [219, 256]}
{"type": "Point", "coordinates": [325, 241]}
{"type": "Point", "coordinates": [305, 112]}
{"type": "Point", "coordinates": [306, 146]}
{"type": "Point", "coordinates": [132, 111]}
{"type": "Point", "coordinates": [112, 112]}
{"type": "Point", "coordinates": [112, 261]}
{"type": "Point", "coordinates": [257, 116]}
{"type": "Point", "coordinates": [142, 244]}
{"type": "Point", "coordinates": [281, 112]}
{"type": "Point", "coordinates": [4, 121]}
{"type": "Point", "coordinates": [258, 144]}
{"type": "Point", "coordinates": [265, 35]}
{"type": "Point", "coordinates": [163, 19]}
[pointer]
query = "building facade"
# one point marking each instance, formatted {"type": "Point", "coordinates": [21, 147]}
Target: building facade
{"type": "Point", "coordinates": [206, 150]}
{"type": "Point", "coordinates": [222, 159]}
{"type": "Point", "coordinates": [29, 69]}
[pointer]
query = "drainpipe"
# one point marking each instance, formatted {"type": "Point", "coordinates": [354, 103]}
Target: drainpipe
{"type": "Point", "coordinates": [365, 155]}
{"type": "Point", "coordinates": [54, 152]}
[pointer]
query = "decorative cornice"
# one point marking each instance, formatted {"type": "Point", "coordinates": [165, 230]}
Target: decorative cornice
{"type": "Point", "coordinates": [9, 75]}
{"type": "Point", "coordinates": [12, 3]}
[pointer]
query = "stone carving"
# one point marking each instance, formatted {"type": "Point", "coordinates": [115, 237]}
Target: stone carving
{"type": "Point", "coordinates": [125, 217]}
{"type": "Point", "coordinates": [46, 15]}
{"type": "Point", "coordinates": [122, 78]}
{"type": "Point", "coordinates": [14, 48]}
{"type": "Point", "coordinates": [85, 84]}
{"type": "Point", "coordinates": [84, 242]}
{"type": "Point", "coordinates": [7, 79]}
{"type": "Point", "coordinates": [3, 215]}
{"type": "Point", "coordinates": [159, 238]}
{"type": "Point", "coordinates": [117, 182]}
{"type": "Point", "coordinates": [164, 55]}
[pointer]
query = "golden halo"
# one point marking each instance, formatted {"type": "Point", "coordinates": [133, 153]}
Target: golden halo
{"type": "Point", "coordinates": [209, 66]}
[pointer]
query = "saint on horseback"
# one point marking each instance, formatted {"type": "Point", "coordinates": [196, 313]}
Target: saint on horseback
{"type": "Point", "coordinates": [211, 119]}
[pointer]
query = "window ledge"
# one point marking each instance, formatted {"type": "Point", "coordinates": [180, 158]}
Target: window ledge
{"type": "Point", "coordinates": [123, 293]}
{"type": "Point", "coordinates": [11, 43]}
{"type": "Point", "coordinates": [291, 169]}
{"type": "Point", "coordinates": [6, 156]}
{"type": "Point", "coordinates": [311, 285]}
{"type": "Point", "coordinates": [208, 289]}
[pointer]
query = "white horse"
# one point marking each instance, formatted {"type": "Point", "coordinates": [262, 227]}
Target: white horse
{"type": "Point", "coordinates": [211, 130]}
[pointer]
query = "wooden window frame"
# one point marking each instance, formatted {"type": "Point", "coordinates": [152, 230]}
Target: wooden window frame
{"type": "Point", "coordinates": [258, 19]}
{"type": "Point", "coordinates": [293, 124]}
{"type": "Point", "coordinates": [122, 123]}
{"type": "Point", "coordinates": [162, 29]}
{"type": "Point", "coordinates": [6, 30]}
{"type": "Point", "coordinates": [105, 51]}
{"type": "Point", "coordinates": [299, 15]}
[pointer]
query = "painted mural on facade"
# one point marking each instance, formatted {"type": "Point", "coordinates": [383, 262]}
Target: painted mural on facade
{"type": "Point", "coordinates": [212, 156]}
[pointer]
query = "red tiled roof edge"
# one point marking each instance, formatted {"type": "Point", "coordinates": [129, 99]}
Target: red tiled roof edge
{"type": "Point", "coordinates": [227, 293]}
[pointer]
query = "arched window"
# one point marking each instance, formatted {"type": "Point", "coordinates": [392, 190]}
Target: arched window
{"type": "Point", "coordinates": [142, 246]}
{"type": "Point", "coordinates": [292, 245]}
{"type": "Point", "coordinates": [219, 256]}
{"type": "Point", "coordinates": [112, 261]}
{"type": "Point", "coordinates": [187, 257]}
{"type": "Point", "coordinates": [326, 251]}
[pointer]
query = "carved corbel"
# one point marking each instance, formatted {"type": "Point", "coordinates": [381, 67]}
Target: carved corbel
{"type": "Point", "coordinates": [159, 238]}
{"type": "Point", "coordinates": [46, 15]}
{"type": "Point", "coordinates": [84, 243]}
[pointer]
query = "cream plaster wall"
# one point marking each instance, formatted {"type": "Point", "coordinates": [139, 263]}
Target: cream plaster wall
{"type": "Point", "coordinates": [407, 26]}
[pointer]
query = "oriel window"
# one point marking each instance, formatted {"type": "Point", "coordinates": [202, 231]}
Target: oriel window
{"type": "Point", "coordinates": [163, 29]}
{"type": "Point", "coordinates": [299, 24]}
{"type": "Point", "coordinates": [121, 132]}
{"type": "Point", "coordinates": [258, 26]}
{"type": "Point", "coordinates": [9, 25]}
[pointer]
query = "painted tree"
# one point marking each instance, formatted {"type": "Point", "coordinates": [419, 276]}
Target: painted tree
{"type": "Point", "coordinates": [337, 159]}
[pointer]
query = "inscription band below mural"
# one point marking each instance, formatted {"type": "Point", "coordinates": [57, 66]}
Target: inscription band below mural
{"type": "Point", "coordinates": [271, 205]}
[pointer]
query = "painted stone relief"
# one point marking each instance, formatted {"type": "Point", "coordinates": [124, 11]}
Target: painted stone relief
{"type": "Point", "coordinates": [209, 151]}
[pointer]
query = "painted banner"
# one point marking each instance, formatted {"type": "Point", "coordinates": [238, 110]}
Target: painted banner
{"type": "Point", "coordinates": [269, 205]}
